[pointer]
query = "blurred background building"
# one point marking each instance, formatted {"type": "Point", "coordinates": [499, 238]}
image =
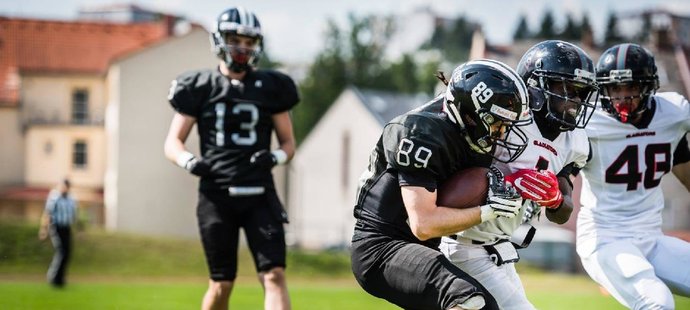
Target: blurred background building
{"type": "Point", "coordinates": [85, 98]}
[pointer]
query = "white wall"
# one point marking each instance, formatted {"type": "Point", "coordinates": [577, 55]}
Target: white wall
{"type": "Point", "coordinates": [321, 201]}
{"type": "Point", "coordinates": [144, 192]}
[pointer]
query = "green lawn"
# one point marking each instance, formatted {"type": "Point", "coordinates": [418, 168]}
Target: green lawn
{"type": "Point", "coordinates": [116, 271]}
{"type": "Point", "coordinates": [83, 293]}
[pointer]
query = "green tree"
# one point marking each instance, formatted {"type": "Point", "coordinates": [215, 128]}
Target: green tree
{"type": "Point", "coordinates": [546, 31]}
{"type": "Point", "coordinates": [350, 57]}
{"type": "Point", "coordinates": [612, 36]}
{"type": "Point", "coordinates": [368, 38]}
{"type": "Point", "coordinates": [572, 30]}
{"type": "Point", "coordinates": [427, 80]}
{"type": "Point", "coordinates": [522, 31]}
{"type": "Point", "coordinates": [585, 26]}
{"type": "Point", "coordinates": [326, 79]}
{"type": "Point", "coordinates": [452, 41]}
{"type": "Point", "coordinates": [404, 75]}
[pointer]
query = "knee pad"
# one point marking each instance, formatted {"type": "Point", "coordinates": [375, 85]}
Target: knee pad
{"type": "Point", "coordinates": [473, 303]}
{"type": "Point", "coordinates": [653, 294]}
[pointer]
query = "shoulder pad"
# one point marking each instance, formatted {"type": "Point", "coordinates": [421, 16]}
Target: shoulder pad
{"type": "Point", "coordinates": [281, 89]}
{"type": "Point", "coordinates": [188, 91]}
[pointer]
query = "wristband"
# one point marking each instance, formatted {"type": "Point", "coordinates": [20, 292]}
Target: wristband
{"type": "Point", "coordinates": [280, 155]}
{"type": "Point", "coordinates": [183, 158]}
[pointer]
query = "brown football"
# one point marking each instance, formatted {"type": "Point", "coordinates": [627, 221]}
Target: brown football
{"type": "Point", "coordinates": [464, 189]}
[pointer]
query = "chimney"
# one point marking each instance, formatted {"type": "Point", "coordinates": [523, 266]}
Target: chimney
{"type": "Point", "coordinates": [169, 21]}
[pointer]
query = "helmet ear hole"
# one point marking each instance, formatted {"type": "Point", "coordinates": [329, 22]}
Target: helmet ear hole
{"type": "Point", "coordinates": [538, 99]}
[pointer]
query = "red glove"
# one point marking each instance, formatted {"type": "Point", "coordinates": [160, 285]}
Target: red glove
{"type": "Point", "coordinates": [538, 186]}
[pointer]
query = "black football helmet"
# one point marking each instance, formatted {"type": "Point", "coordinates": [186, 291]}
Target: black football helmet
{"type": "Point", "coordinates": [627, 64]}
{"type": "Point", "coordinates": [240, 22]}
{"type": "Point", "coordinates": [561, 82]}
{"type": "Point", "coordinates": [489, 102]}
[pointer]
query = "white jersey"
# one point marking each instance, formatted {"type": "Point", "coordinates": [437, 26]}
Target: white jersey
{"type": "Point", "coordinates": [569, 147]}
{"type": "Point", "coordinates": [620, 192]}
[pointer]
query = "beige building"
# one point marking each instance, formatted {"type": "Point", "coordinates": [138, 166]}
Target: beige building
{"type": "Point", "coordinates": [54, 94]}
{"type": "Point", "coordinates": [92, 105]}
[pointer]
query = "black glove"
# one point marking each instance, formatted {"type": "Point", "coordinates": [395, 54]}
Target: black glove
{"type": "Point", "coordinates": [198, 167]}
{"type": "Point", "coordinates": [263, 159]}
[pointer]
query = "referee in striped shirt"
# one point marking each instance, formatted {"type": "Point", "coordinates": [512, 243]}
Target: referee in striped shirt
{"type": "Point", "coordinates": [59, 215]}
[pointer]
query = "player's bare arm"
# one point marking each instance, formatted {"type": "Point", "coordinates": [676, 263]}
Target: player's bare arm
{"type": "Point", "coordinates": [427, 220]}
{"type": "Point", "coordinates": [180, 126]}
{"type": "Point", "coordinates": [283, 129]}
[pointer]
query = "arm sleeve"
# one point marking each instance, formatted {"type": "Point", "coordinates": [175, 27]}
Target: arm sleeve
{"type": "Point", "coordinates": [416, 156]}
{"type": "Point", "coordinates": [286, 95]}
{"type": "Point", "coordinates": [682, 153]}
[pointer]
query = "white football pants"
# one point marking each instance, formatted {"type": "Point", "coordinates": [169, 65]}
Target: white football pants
{"type": "Point", "coordinates": [502, 281]}
{"type": "Point", "coordinates": [642, 272]}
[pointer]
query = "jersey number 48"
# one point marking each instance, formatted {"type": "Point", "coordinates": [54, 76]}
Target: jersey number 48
{"type": "Point", "coordinates": [657, 158]}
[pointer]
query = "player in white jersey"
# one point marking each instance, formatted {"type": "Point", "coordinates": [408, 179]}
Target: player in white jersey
{"type": "Point", "coordinates": [560, 78]}
{"type": "Point", "coordinates": [636, 138]}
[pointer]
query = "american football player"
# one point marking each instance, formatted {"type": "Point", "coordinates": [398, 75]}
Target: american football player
{"type": "Point", "coordinates": [394, 246]}
{"type": "Point", "coordinates": [560, 79]}
{"type": "Point", "coordinates": [636, 137]}
{"type": "Point", "coordinates": [236, 107]}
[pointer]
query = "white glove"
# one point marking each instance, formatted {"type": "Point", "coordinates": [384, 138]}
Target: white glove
{"type": "Point", "coordinates": [497, 206]}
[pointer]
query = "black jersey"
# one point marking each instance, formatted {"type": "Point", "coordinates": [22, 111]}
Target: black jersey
{"type": "Point", "coordinates": [419, 148]}
{"type": "Point", "coordinates": [233, 120]}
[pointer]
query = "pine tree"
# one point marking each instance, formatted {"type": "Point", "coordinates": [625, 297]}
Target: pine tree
{"type": "Point", "coordinates": [522, 31]}
{"type": "Point", "coordinates": [547, 30]}
{"type": "Point", "coordinates": [612, 36]}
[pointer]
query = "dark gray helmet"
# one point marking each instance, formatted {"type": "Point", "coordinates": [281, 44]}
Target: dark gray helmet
{"type": "Point", "coordinates": [557, 72]}
{"type": "Point", "coordinates": [481, 93]}
{"type": "Point", "coordinates": [237, 21]}
{"type": "Point", "coordinates": [627, 64]}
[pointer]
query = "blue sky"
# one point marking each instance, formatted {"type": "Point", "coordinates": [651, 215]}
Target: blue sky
{"type": "Point", "coordinates": [294, 29]}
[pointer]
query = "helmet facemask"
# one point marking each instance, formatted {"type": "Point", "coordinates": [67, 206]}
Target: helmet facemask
{"type": "Point", "coordinates": [629, 71]}
{"type": "Point", "coordinates": [238, 58]}
{"type": "Point", "coordinates": [621, 107]}
{"type": "Point", "coordinates": [565, 103]}
{"type": "Point", "coordinates": [495, 131]}
{"type": "Point", "coordinates": [235, 27]}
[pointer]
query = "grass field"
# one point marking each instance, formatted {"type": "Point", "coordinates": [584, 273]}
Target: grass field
{"type": "Point", "coordinates": [114, 271]}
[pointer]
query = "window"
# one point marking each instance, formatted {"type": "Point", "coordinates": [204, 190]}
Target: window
{"type": "Point", "coordinates": [48, 147]}
{"type": "Point", "coordinates": [80, 106]}
{"type": "Point", "coordinates": [79, 154]}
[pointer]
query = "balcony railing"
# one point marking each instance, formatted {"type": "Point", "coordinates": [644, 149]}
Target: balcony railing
{"type": "Point", "coordinates": [37, 121]}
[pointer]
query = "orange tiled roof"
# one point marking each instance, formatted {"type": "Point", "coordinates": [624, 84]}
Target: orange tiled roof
{"type": "Point", "coordinates": [28, 45]}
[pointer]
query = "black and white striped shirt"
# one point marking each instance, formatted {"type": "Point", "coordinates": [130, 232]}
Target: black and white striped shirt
{"type": "Point", "coordinates": [62, 209]}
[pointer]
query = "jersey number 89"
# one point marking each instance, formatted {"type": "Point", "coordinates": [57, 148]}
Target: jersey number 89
{"type": "Point", "coordinates": [409, 154]}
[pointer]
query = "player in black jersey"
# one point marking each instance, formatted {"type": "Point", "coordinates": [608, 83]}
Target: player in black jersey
{"type": "Point", "coordinates": [236, 108]}
{"type": "Point", "coordinates": [399, 225]}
